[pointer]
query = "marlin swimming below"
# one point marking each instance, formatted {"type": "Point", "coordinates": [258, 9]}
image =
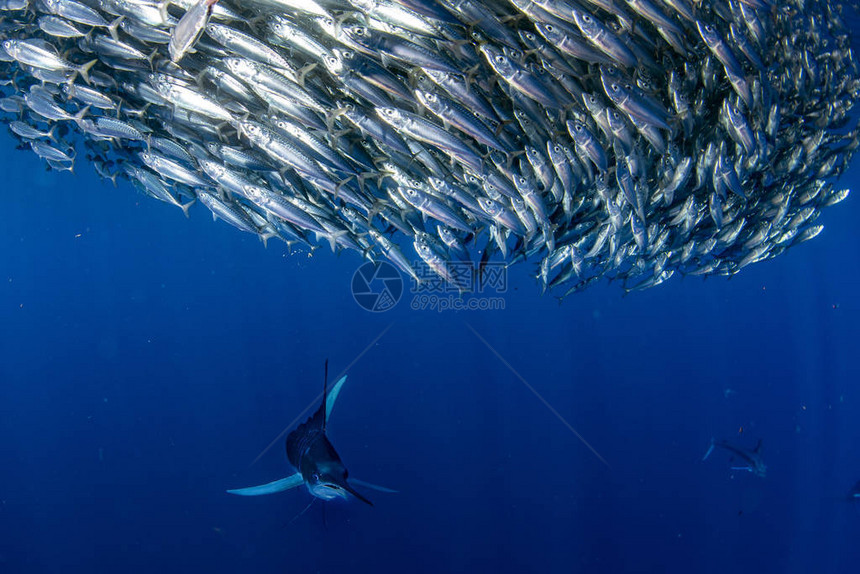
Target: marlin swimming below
{"type": "Point", "coordinates": [312, 454]}
{"type": "Point", "coordinates": [751, 458]}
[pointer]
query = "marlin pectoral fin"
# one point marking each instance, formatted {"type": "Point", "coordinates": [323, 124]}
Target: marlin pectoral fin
{"type": "Point", "coordinates": [270, 488]}
{"type": "Point", "coordinates": [742, 468]}
{"type": "Point", "coordinates": [371, 486]}
{"type": "Point", "coordinates": [332, 396]}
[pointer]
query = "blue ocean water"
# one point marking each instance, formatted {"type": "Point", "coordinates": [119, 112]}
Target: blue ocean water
{"type": "Point", "coordinates": [147, 360]}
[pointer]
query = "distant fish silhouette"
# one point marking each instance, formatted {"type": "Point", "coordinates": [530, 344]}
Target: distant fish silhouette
{"type": "Point", "coordinates": [854, 494]}
{"type": "Point", "coordinates": [312, 454]}
{"type": "Point", "coordinates": [751, 458]}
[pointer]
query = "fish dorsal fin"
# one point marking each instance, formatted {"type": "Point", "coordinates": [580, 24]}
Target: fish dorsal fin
{"type": "Point", "coordinates": [325, 397]}
{"type": "Point", "coordinates": [709, 451]}
{"type": "Point", "coordinates": [332, 396]}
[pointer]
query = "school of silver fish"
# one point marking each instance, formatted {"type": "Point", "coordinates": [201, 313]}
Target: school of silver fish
{"type": "Point", "coordinates": [619, 139]}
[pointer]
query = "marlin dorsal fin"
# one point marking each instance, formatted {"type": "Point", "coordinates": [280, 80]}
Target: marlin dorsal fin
{"type": "Point", "coordinates": [325, 397]}
{"type": "Point", "coordinates": [709, 451]}
{"type": "Point", "coordinates": [332, 396]}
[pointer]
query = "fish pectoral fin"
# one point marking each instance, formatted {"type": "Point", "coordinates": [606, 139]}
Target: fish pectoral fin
{"type": "Point", "coordinates": [371, 486]}
{"type": "Point", "coordinates": [332, 396]}
{"type": "Point", "coordinates": [271, 487]}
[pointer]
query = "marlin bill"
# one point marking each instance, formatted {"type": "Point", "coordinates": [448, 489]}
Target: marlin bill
{"type": "Point", "coordinates": [630, 140]}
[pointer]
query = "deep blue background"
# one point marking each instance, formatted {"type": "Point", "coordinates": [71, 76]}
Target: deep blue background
{"type": "Point", "coordinates": [146, 360]}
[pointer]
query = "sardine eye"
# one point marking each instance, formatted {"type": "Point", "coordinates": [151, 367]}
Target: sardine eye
{"type": "Point", "coordinates": [529, 36]}
{"type": "Point", "coordinates": [315, 476]}
{"type": "Point", "coordinates": [550, 27]}
{"type": "Point", "coordinates": [500, 59]}
{"type": "Point", "coordinates": [586, 18]}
